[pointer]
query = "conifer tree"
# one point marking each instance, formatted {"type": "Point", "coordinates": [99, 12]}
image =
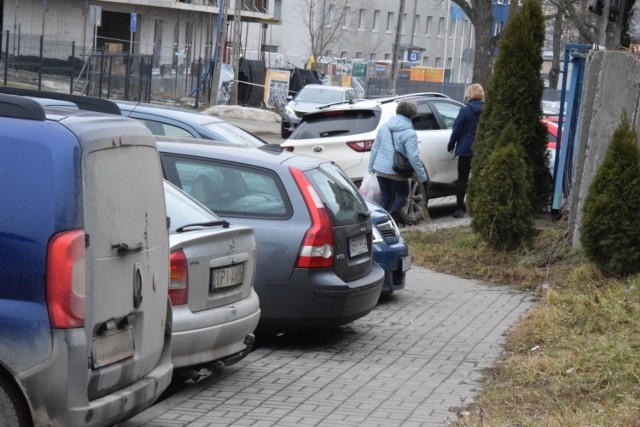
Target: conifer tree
{"type": "Point", "coordinates": [502, 212]}
{"type": "Point", "coordinates": [610, 233]}
{"type": "Point", "coordinates": [514, 95]}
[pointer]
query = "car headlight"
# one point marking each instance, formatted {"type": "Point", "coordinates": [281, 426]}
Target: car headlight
{"type": "Point", "coordinates": [377, 237]}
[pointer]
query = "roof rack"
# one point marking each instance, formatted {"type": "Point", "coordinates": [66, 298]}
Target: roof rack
{"type": "Point", "coordinates": [346, 101]}
{"type": "Point", "coordinates": [89, 103]}
{"type": "Point", "coordinates": [414, 95]}
{"type": "Point", "coordinates": [21, 108]}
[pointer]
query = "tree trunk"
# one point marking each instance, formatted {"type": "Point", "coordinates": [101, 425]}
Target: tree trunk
{"type": "Point", "coordinates": [554, 71]}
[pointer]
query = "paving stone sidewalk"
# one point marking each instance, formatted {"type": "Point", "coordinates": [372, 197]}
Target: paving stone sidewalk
{"type": "Point", "coordinates": [418, 354]}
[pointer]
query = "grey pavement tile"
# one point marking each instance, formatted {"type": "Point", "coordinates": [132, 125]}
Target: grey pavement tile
{"type": "Point", "coordinates": [418, 354]}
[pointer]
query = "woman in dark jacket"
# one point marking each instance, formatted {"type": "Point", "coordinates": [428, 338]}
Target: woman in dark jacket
{"type": "Point", "coordinates": [462, 138]}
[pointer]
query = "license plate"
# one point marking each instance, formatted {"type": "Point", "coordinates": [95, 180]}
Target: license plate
{"type": "Point", "coordinates": [227, 276]}
{"type": "Point", "coordinates": [111, 348]}
{"type": "Point", "coordinates": [358, 245]}
{"type": "Point", "coordinates": [406, 262]}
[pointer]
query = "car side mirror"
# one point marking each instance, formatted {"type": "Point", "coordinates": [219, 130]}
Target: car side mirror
{"type": "Point", "coordinates": [289, 97]}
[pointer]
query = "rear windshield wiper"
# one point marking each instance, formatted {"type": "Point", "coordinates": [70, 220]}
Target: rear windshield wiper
{"type": "Point", "coordinates": [223, 223]}
{"type": "Point", "coordinates": [332, 133]}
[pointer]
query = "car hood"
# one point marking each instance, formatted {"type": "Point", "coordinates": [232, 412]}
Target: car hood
{"type": "Point", "coordinates": [304, 107]}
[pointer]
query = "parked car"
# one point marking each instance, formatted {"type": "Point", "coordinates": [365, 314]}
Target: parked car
{"type": "Point", "coordinates": [310, 98]}
{"type": "Point", "coordinates": [180, 122]}
{"type": "Point", "coordinates": [344, 133]}
{"type": "Point", "coordinates": [315, 268]}
{"type": "Point", "coordinates": [390, 251]}
{"type": "Point", "coordinates": [215, 309]}
{"type": "Point", "coordinates": [84, 312]}
{"type": "Point", "coordinates": [552, 136]}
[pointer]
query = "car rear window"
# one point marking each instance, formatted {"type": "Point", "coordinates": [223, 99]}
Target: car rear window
{"type": "Point", "coordinates": [228, 132]}
{"type": "Point", "coordinates": [340, 196]}
{"type": "Point", "coordinates": [336, 123]}
{"type": "Point", "coordinates": [183, 210]}
{"type": "Point", "coordinates": [231, 189]}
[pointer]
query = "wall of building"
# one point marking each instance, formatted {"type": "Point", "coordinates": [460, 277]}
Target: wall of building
{"type": "Point", "coordinates": [365, 42]}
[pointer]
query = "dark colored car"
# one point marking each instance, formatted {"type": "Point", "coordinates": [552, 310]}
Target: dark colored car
{"type": "Point", "coordinates": [179, 122]}
{"type": "Point", "coordinates": [390, 251]}
{"type": "Point", "coordinates": [84, 259]}
{"type": "Point", "coordinates": [315, 268]}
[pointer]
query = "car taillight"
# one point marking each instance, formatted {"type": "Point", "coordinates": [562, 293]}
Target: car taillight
{"type": "Point", "coordinates": [287, 148]}
{"type": "Point", "coordinates": [66, 280]}
{"type": "Point", "coordinates": [361, 146]}
{"type": "Point", "coordinates": [179, 279]}
{"type": "Point", "coordinates": [317, 246]}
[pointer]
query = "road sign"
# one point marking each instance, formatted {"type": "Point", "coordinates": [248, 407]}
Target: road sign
{"type": "Point", "coordinates": [134, 18]}
{"type": "Point", "coordinates": [414, 55]}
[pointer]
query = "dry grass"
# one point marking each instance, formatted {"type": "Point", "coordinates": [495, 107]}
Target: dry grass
{"type": "Point", "coordinates": [574, 360]}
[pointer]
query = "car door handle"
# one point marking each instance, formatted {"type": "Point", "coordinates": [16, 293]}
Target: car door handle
{"type": "Point", "coordinates": [124, 248]}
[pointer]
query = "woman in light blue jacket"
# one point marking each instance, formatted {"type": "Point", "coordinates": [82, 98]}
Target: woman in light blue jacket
{"type": "Point", "coordinates": [398, 131]}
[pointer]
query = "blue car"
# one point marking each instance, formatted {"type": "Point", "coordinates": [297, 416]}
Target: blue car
{"type": "Point", "coordinates": [390, 251]}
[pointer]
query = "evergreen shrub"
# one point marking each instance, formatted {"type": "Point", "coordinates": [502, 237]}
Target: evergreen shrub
{"type": "Point", "coordinates": [610, 233]}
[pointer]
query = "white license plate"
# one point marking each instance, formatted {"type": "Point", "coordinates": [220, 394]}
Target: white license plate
{"type": "Point", "coordinates": [406, 262]}
{"type": "Point", "coordinates": [108, 349]}
{"type": "Point", "coordinates": [228, 276]}
{"type": "Point", "coordinates": [358, 245]}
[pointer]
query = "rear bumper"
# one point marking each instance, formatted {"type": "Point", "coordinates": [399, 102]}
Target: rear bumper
{"type": "Point", "coordinates": [317, 299]}
{"type": "Point", "coordinates": [210, 335]}
{"type": "Point", "coordinates": [389, 257]}
{"type": "Point", "coordinates": [57, 390]}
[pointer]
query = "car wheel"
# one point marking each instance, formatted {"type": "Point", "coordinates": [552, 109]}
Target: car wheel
{"type": "Point", "coordinates": [413, 211]}
{"type": "Point", "coordinates": [12, 410]}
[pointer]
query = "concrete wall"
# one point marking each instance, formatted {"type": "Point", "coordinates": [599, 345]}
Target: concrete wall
{"type": "Point", "coordinates": [612, 83]}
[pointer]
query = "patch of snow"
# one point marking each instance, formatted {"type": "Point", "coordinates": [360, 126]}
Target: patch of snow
{"type": "Point", "coordinates": [243, 113]}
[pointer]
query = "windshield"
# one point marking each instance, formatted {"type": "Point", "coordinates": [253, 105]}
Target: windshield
{"type": "Point", "coordinates": [338, 193]}
{"type": "Point", "coordinates": [183, 209]}
{"type": "Point", "coordinates": [319, 95]}
{"type": "Point", "coordinates": [230, 133]}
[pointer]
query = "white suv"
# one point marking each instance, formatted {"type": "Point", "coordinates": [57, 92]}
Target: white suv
{"type": "Point", "coordinates": [345, 133]}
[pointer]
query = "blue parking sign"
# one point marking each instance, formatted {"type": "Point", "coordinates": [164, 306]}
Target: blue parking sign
{"type": "Point", "coordinates": [134, 18]}
{"type": "Point", "coordinates": [413, 55]}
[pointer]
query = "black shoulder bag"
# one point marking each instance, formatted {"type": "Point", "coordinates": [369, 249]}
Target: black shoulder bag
{"type": "Point", "coordinates": [401, 164]}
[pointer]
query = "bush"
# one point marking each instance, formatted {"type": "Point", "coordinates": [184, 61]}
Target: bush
{"type": "Point", "coordinates": [500, 207]}
{"type": "Point", "coordinates": [610, 231]}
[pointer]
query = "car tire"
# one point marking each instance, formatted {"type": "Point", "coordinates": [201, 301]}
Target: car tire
{"type": "Point", "coordinates": [414, 210]}
{"type": "Point", "coordinates": [12, 408]}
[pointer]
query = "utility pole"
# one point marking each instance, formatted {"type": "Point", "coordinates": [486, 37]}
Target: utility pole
{"type": "Point", "coordinates": [237, 32]}
{"type": "Point", "coordinates": [396, 51]}
{"type": "Point", "coordinates": [219, 52]}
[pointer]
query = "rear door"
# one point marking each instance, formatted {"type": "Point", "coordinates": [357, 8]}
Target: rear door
{"type": "Point", "coordinates": [433, 126]}
{"type": "Point", "coordinates": [127, 261]}
{"type": "Point", "coordinates": [352, 229]}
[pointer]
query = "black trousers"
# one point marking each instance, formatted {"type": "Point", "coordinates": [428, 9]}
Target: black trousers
{"type": "Point", "coordinates": [464, 169]}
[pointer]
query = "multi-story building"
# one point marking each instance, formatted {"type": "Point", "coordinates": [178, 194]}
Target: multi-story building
{"type": "Point", "coordinates": [434, 33]}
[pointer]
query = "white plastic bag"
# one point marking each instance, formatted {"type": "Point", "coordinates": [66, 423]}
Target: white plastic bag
{"type": "Point", "coordinates": [370, 188]}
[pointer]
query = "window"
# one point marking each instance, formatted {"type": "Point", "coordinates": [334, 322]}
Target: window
{"type": "Point", "coordinates": [441, 27]}
{"type": "Point", "coordinates": [449, 62]}
{"type": "Point", "coordinates": [416, 25]}
{"type": "Point", "coordinates": [447, 111]}
{"type": "Point", "coordinates": [376, 19]}
{"type": "Point", "coordinates": [270, 48]}
{"type": "Point", "coordinates": [427, 30]}
{"type": "Point", "coordinates": [344, 54]}
{"type": "Point", "coordinates": [361, 19]}
{"type": "Point", "coordinates": [358, 55]}
{"type": "Point", "coordinates": [159, 128]}
{"type": "Point", "coordinates": [372, 56]}
{"type": "Point", "coordinates": [497, 27]}
{"type": "Point", "coordinates": [231, 189]}
{"type": "Point", "coordinates": [425, 61]}
{"type": "Point", "coordinates": [387, 56]}
{"type": "Point", "coordinates": [345, 17]}
{"type": "Point", "coordinates": [452, 25]}
{"type": "Point", "coordinates": [438, 62]}
{"type": "Point", "coordinates": [404, 23]}
{"type": "Point", "coordinates": [330, 15]}
{"type": "Point", "coordinates": [425, 119]}
{"type": "Point", "coordinates": [389, 22]}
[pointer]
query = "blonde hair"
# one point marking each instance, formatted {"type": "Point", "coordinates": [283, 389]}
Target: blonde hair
{"type": "Point", "coordinates": [474, 91]}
